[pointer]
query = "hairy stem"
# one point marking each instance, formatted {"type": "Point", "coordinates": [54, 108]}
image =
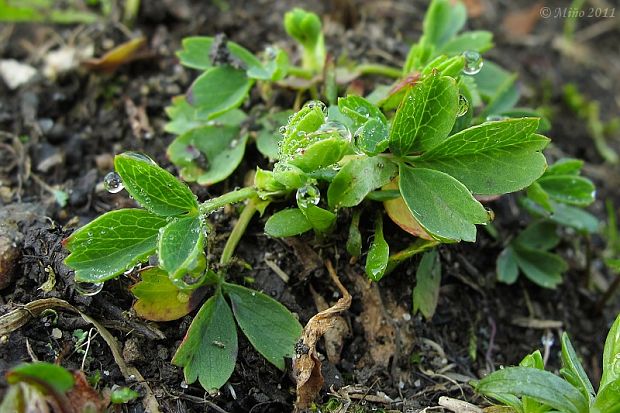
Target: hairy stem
{"type": "Point", "coordinates": [235, 196]}
{"type": "Point", "coordinates": [238, 231]}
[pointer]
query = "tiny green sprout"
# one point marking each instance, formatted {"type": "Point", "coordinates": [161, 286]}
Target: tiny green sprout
{"type": "Point", "coordinates": [123, 395]}
{"type": "Point", "coordinates": [528, 388]}
{"type": "Point", "coordinates": [305, 27]}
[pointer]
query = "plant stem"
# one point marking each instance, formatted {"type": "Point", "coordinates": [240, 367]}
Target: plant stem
{"type": "Point", "coordinates": [237, 195]}
{"type": "Point", "coordinates": [420, 245]}
{"type": "Point", "coordinates": [300, 72]}
{"type": "Point", "coordinates": [378, 69]}
{"type": "Point", "coordinates": [238, 231]}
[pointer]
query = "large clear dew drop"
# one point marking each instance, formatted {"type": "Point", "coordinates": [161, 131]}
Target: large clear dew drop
{"type": "Point", "coordinates": [88, 289]}
{"type": "Point", "coordinates": [473, 62]}
{"type": "Point", "coordinates": [113, 183]}
{"type": "Point", "coordinates": [308, 195]}
{"type": "Point", "coordinates": [463, 106]}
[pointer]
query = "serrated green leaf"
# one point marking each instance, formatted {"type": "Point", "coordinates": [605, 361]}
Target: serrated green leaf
{"type": "Point", "coordinates": [543, 126]}
{"type": "Point", "coordinates": [608, 399]}
{"type": "Point", "coordinates": [611, 355]}
{"type": "Point", "coordinates": [506, 266]}
{"type": "Point", "coordinates": [53, 378]}
{"type": "Point", "coordinates": [271, 328]}
{"type": "Point", "coordinates": [378, 253]}
{"type": "Point", "coordinates": [180, 244]}
{"type": "Point", "coordinates": [208, 154]}
{"type": "Point", "coordinates": [443, 206]}
{"type": "Point", "coordinates": [112, 243]}
{"type": "Point", "coordinates": [158, 299]}
{"type": "Point", "coordinates": [428, 281]}
{"type": "Point", "coordinates": [287, 223]}
{"type": "Point", "coordinates": [478, 40]}
{"type": "Point", "coordinates": [209, 350]}
{"type": "Point", "coordinates": [543, 268]}
{"type": "Point", "coordinates": [539, 385]}
{"type": "Point", "coordinates": [359, 110]}
{"type": "Point", "coordinates": [218, 90]}
{"type": "Point", "coordinates": [154, 188]}
{"type": "Point", "coordinates": [492, 158]}
{"type": "Point", "coordinates": [539, 236]}
{"type": "Point", "coordinates": [568, 189]}
{"type": "Point", "coordinates": [357, 178]}
{"type": "Point", "coordinates": [425, 116]}
{"type": "Point", "coordinates": [573, 371]}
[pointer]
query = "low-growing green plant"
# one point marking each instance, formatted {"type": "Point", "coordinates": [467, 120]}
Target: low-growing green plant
{"type": "Point", "coordinates": [554, 200]}
{"type": "Point", "coordinates": [421, 149]}
{"type": "Point", "coordinates": [528, 388]}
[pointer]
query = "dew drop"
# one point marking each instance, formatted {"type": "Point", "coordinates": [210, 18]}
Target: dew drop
{"type": "Point", "coordinates": [308, 195]}
{"type": "Point", "coordinates": [282, 130]}
{"type": "Point", "coordinates": [88, 289]}
{"type": "Point", "coordinates": [233, 144]}
{"type": "Point", "coordinates": [463, 106]}
{"type": "Point", "coordinates": [473, 62]}
{"type": "Point", "coordinates": [335, 127]}
{"type": "Point", "coordinates": [362, 110]}
{"type": "Point", "coordinates": [317, 103]}
{"type": "Point", "coordinates": [113, 183]}
{"type": "Point", "coordinates": [271, 52]}
{"type": "Point", "coordinates": [184, 385]}
{"type": "Point", "coordinates": [140, 156]}
{"type": "Point", "coordinates": [495, 118]}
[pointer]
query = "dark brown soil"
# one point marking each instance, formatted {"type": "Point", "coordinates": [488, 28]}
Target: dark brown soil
{"type": "Point", "coordinates": [64, 133]}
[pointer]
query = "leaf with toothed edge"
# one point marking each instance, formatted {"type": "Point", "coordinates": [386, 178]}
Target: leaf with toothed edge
{"type": "Point", "coordinates": [153, 187]}
{"type": "Point", "coordinates": [112, 243]}
{"type": "Point", "coordinates": [425, 116]}
{"type": "Point", "coordinates": [271, 328]}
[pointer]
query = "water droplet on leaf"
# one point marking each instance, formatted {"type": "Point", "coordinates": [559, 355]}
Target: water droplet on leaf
{"type": "Point", "coordinates": [317, 103]}
{"type": "Point", "coordinates": [495, 118]}
{"type": "Point", "coordinates": [88, 289]}
{"type": "Point", "coordinates": [335, 127]}
{"type": "Point", "coordinates": [282, 130]}
{"type": "Point", "coordinates": [463, 106]}
{"type": "Point", "coordinates": [308, 195]}
{"type": "Point", "coordinates": [140, 156]}
{"type": "Point", "coordinates": [473, 62]}
{"type": "Point", "coordinates": [113, 183]}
